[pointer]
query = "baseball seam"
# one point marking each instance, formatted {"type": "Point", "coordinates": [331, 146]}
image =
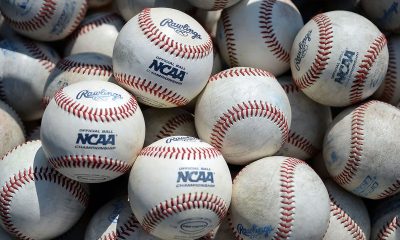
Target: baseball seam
{"type": "Point", "coordinates": [390, 82]}
{"type": "Point", "coordinates": [348, 223]}
{"type": "Point", "coordinates": [321, 60]}
{"type": "Point", "coordinates": [152, 88]}
{"type": "Point", "coordinates": [181, 153]}
{"type": "Point", "coordinates": [124, 231]}
{"type": "Point", "coordinates": [39, 55]}
{"type": "Point", "coordinates": [229, 39]}
{"type": "Point", "coordinates": [84, 28]}
{"type": "Point", "coordinates": [356, 91]}
{"type": "Point", "coordinates": [169, 45]}
{"type": "Point", "coordinates": [390, 190]}
{"type": "Point", "coordinates": [79, 110]}
{"type": "Point", "coordinates": [173, 124]}
{"type": "Point", "coordinates": [181, 203]}
{"type": "Point", "coordinates": [89, 161]}
{"type": "Point", "coordinates": [237, 72]}
{"type": "Point", "coordinates": [69, 65]}
{"type": "Point", "coordinates": [290, 88]}
{"type": "Point", "coordinates": [219, 4]}
{"type": "Point", "coordinates": [79, 17]}
{"type": "Point", "coordinates": [388, 229]}
{"type": "Point", "coordinates": [246, 110]}
{"type": "Point", "coordinates": [38, 21]}
{"type": "Point", "coordinates": [301, 143]}
{"type": "Point", "coordinates": [267, 31]}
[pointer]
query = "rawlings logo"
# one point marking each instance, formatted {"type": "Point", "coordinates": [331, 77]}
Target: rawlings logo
{"type": "Point", "coordinates": [181, 138]}
{"type": "Point", "coordinates": [96, 139]}
{"type": "Point", "coordinates": [303, 47]}
{"type": "Point", "coordinates": [183, 30]}
{"type": "Point", "coordinates": [101, 95]}
{"type": "Point", "coordinates": [195, 176]}
{"type": "Point", "coordinates": [254, 231]}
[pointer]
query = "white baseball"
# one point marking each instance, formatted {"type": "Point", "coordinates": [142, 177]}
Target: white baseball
{"type": "Point", "coordinates": [25, 67]}
{"type": "Point", "coordinates": [361, 151]}
{"type": "Point", "coordinates": [213, 4]}
{"type": "Point", "coordinates": [244, 113]}
{"type": "Point", "coordinates": [336, 63]}
{"type": "Point", "coordinates": [259, 34]}
{"type": "Point", "coordinates": [389, 90]}
{"type": "Point", "coordinates": [37, 202]}
{"type": "Point", "coordinates": [309, 123]}
{"type": "Point", "coordinates": [179, 188]}
{"type": "Point", "coordinates": [349, 218]}
{"type": "Point", "coordinates": [278, 198]}
{"type": "Point", "coordinates": [76, 68]}
{"type": "Point", "coordinates": [92, 131]}
{"type": "Point", "coordinates": [129, 8]}
{"type": "Point", "coordinates": [385, 219]}
{"type": "Point", "coordinates": [44, 20]}
{"type": "Point", "coordinates": [12, 130]}
{"type": "Point", "coordinates": [384, 13]}
{"type": "Point", "coordinates": [115, 220]}
{"type": "Point", "coordinates": [96, 33]}
{"type": "Point", "coordinates": [98, 3]}
{"type": "Point", "coordinates": [169, 60]}
{"type": "Point", "coordinates": [161, 123]}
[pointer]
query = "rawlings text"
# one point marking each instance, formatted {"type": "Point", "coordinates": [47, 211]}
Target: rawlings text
{"type": "Point", "coordinates": [254, 231]}
{"type": "Point", "coordinates": [303, 47]}
{"type": "Point", "coordinates": [181, 29]}
{"type": "Point", "coordinates": [101, 95]}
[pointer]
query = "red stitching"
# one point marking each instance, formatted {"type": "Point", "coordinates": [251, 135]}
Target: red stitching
{"type": "Point", "coordinates": [349, 224]}
{"type": "Point", "coordinates": [45, 101]}
{"type": "Point", "coordinates": [124, 231]}
{"type": "Point", "coordinates": [38, 54]}
{"type": "Point", "coordinates": [188, 201]}
{"type": "Point", "coordinates": [247, 110]}
{"type": "Point", "coordinates": [79, 17]}
{"type": "Point", "coordinates": [229, 39]}
{"type": "Point", "coordinates": [388, 229]}
{"type": "Point", "coordinates": [290, 88]}
{"type": "Point", "coordinates": [390, 82]}
{"type": "Point", "coordinates": [38, 21]}
{"type": "Point", "coordinates": [181, 153]}
{"type": "Point", "coordinates": [79, 110]}
{"type": "Point", "coordinates": [356, 91]}
{"type": "Point", "coordinates": [97, 22]}
{"type": "Point", "coordinates": [321, 60]}
{"type": "Point", "coordinates": [356, 147]}
{"type": "Point", "coordinates": [152, 88]}
{"type": "Point", "coordinates": [82, 161]}
{"type": "Point", "coordinates": [267, 31]}
{"type": "Point", "coordinates": [219, 4]}
{"type": "Point", "coordinates": [27, 176]}
{"type": "Point", "coordinates": [70, 65]}
{"type": "Point", "coordinates": [160, 39]}
{"type": "Point", "coordinates": [172, 124]}
{"type": "Point", "coordinates": [240, 71]}
{"type": "Point", "coordinates": [390, 190]}
{"type": "Point", "coordinates": [301, 143]}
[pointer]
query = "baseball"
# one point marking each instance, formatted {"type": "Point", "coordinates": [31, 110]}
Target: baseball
{"type": "Point", "coordinates": [361, 151]}
{"type": "Point", "coordinates": [99, 28]}
{"type": "Point", "coordinates": [92, 131]}
{"type": "Point", "coordinates": [384, 13]}
{"type": "Point", "coordinates": [12, 131]}
{"type": "Point", "coordinates": [213, 4]}
{"type": "Point", "coordinates": [161, 123]}
{"type": "Point", "coordinates": [44, 20]}
{"type": "Point", "coordinates": [179, 188]}
{"type": "Point", "coordinates": [309, 123]}
{"type": "Point", "coordinates": [349, 218]}
{"type": "Point", "coordinates": [385, 219]}
{"type": "Point", "coordinates": [77, 68]}
{"type": "Point", "coordinates": [98, 3]}
{"type": "Point", "coordinates": [259, 34]}
{"type": "Point", "coordinates": [389, 90]}
{"type": "Point", "coordinates": [115, 220]}
{"type": "Point", "coordinates": [236, 104]}
{"type": "Point", "coordinates": [169, 61]}
{"type": "Point", "coordinates": [333, 69]}
{"type": "Point", "coordinates": [26, 66]}
{"type": "Point", "coordinates": [287, 201]}
{"type": "Point", "coordinates": [36, 202]}
{"type": "Point", "coordinates": [209, 20]}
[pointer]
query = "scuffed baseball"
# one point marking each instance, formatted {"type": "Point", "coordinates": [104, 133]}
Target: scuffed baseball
{"type": "Point", "coordinates": [243, 112]}
{"type": "Point", "coordinates": [161, 123]}
{"type": "Point", "coordinates": [169, 60]}
{"type": "Point", "coordinates": [76, 68]}
{"type": "Point", "coordinates": [12, 131]}
{"type": "Point", "coordinates": [278, 198]}
{"type": "Point", "coordinates": [213, 5]}
{"type": "Point", "coordinates": [188, 194]}
{"type": "Point", "coordinates": [336, 63]}
{"type": "Point", "coordinates": [349, 218]}
{"type": "Point", "coordinates": [361, 151]}
{"type": "Point", "coordinates": [92, 131]}
{"type": "Point", "coordinates": [25, 67]}
{"type": "Point", "coordinates": [389, 90]}
{"type": "Point", "coordinates": [37, 202]}
{"type": "Point", "coordinates": [44, 20]}
{"type": "Point", "coordinates": [309, 123]}
{"type": "Point", "coordinates": [384, 13]}
{"type": "Point", "coordinates": [385, 219]}
{"type": "Point", "coordinates": [259, 34]}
